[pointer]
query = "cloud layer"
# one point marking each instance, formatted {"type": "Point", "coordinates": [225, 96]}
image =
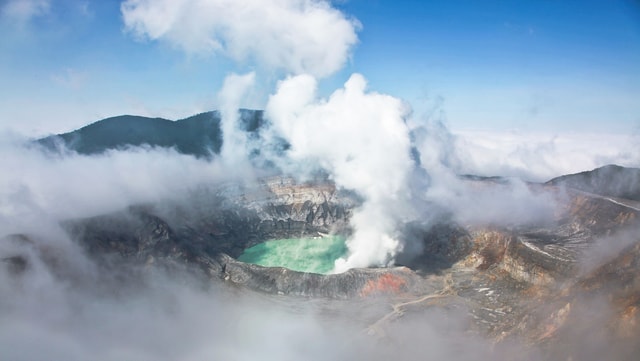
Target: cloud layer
{"type": "Point", "coordinates": [297, 36]}
{"type": "Point", "coordinates": [540, 157]}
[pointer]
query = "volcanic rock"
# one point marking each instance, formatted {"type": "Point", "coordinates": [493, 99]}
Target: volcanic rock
{"type": "Point", "coordinates": [534, 283]}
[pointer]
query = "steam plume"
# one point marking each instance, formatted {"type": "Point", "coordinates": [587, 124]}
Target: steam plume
{"type": "Point", "coordinates": [235, 87]}
{"type": "Point", "coordinates": [361, 139]}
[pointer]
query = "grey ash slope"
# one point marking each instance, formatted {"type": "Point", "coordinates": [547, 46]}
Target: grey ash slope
{"type": "Point", "coordinates": [609, 181]}
{"type": "Point", "coordinates": [198, 135]}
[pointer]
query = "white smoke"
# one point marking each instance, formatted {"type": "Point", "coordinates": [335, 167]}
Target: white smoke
{"type": "Point", "coordinates": [296, 36]}
{"type": "Point", "coordinates": [362, 140]}
{"type": "Point", "coordinates": [359, 137]}
{"type": "Point", "coordinates": [234, 146]}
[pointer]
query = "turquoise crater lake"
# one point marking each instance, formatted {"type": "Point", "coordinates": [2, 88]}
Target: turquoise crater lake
{"type": "Point", "coordinates": [315, 255]}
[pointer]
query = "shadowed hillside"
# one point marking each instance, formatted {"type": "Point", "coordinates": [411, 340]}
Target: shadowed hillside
{"type": "Point", "coordinates": [198, 135]}
{"type": "Point", "coordinates": [610, 181]}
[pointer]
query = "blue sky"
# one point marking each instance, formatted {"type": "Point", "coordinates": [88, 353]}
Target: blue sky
{"type": "Point", "coordinates": [538, 66]}
{"type": "Point", "coordinates": [504, 64]}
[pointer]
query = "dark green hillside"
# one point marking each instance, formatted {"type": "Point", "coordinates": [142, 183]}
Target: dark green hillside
{"type": "Point", "coordinates": [198, 135]}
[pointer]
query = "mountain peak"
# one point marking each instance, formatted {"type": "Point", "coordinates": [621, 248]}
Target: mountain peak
{"type": "Point", "coordinates": [198, 135]}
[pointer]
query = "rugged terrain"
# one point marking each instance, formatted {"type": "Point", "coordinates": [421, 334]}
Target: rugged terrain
{"type": "Point", "coordinates": [567, 288]}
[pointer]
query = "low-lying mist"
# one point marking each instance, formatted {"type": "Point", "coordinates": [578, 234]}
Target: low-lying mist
{"type": "Point", "coordinates": [63, 306]}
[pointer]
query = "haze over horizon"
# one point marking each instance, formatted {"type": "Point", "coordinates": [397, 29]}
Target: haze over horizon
{"type": "Point", "coordinates": [544, 67]}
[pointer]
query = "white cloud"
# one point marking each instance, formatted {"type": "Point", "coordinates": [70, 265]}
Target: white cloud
{"type": "Point", "coordinates": [62, 187]}
{"type": "Point", "coordinates": [297, 36]}
{"type": "Point", "coordinates": [21, 11]}
{"type": "Point", "coordinates": [540, 157]}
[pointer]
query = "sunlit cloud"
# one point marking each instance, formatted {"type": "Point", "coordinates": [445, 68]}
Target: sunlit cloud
{"type": "Point", "coordinates": [540, 157]}
{"type": "Point", "coordinates": [297, 36]}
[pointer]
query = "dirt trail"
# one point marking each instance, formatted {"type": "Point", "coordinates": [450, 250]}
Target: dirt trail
{"type": "Point", "coordinates": [619, 201]}
{"type": "Point", "coordinates": [398, 309]}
